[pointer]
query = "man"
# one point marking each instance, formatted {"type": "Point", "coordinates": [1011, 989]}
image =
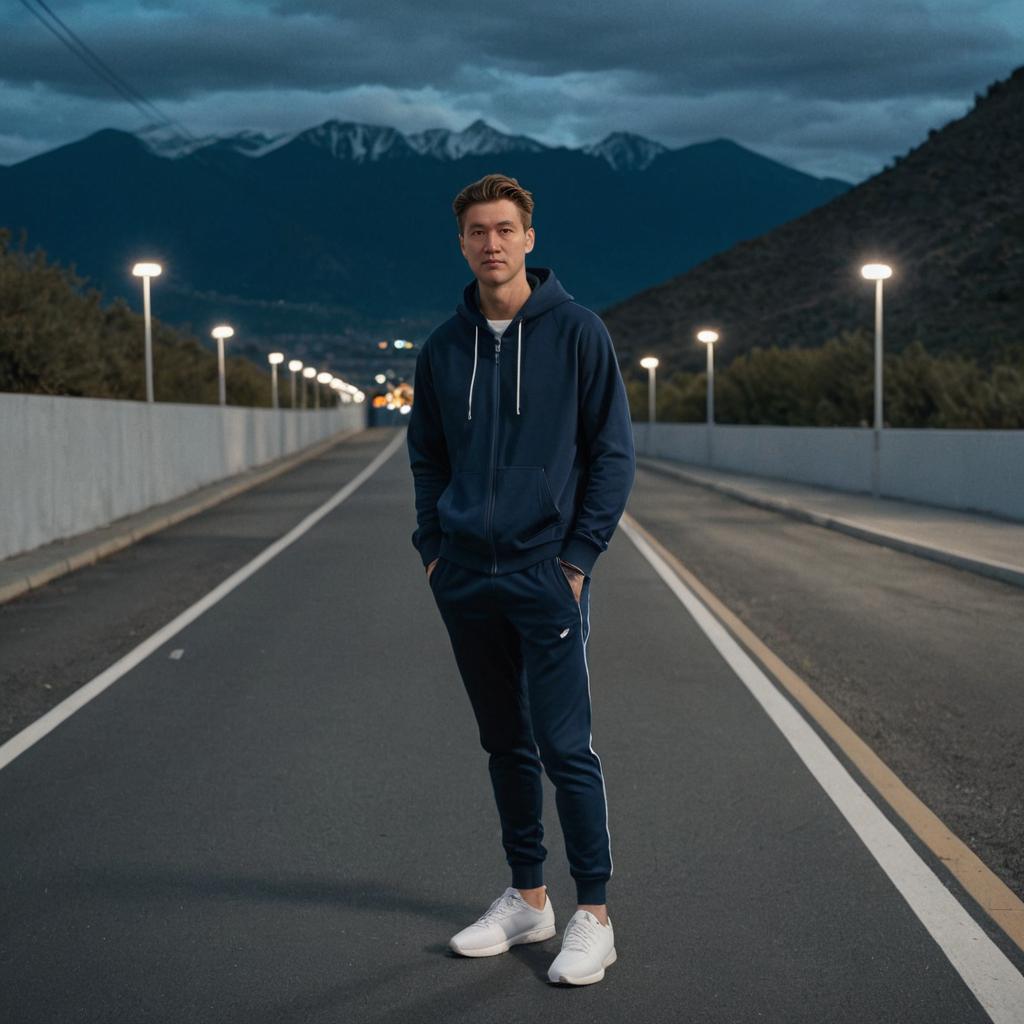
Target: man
{"type": "Point", "coordinates": [521, 447]}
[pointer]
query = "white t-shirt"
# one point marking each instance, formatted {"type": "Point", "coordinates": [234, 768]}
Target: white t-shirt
{"type": "Point", "coordinates": [498, 326]}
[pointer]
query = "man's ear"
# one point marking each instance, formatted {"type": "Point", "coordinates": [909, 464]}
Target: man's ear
{"type": "Point", "coordinates": [531, 236]}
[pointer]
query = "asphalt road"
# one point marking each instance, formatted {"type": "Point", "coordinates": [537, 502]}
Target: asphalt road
{"type": "Point", "coordinates": [283, 812]}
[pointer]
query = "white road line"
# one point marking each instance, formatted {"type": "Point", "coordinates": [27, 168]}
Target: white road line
{"type": "Point", "coordinates": [985, 969]}
{"type": "Point", "coordinates": [33, 733]}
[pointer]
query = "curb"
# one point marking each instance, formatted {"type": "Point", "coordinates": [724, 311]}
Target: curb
{"type": "Point", "coordinates": [85, 551]}
{"type": "Point", "coordinates": [969, 563]}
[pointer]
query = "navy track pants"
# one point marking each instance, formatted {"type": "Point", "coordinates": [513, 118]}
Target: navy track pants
{"type": "Point", "coordinates": [519, 641]}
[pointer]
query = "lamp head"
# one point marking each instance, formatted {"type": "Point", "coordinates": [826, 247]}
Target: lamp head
{"type": "Point", "coordinates": [649, 362]}
{"type": "Point", "coordinates": [147, 269]}
{"type": "Point", "coordinates": [876, 271]}
{"type": "Point", "coordinates": [708, 336]}
{"type": "Point", "coordinates": [222, 331]}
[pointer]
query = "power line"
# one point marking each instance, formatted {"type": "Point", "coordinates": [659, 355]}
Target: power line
{"type": "Point", "coordinates": [67, 36]}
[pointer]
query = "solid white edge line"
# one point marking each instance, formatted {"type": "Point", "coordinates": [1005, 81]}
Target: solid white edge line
{"type": "Point", "coordinates": [984, 968]}
{"type": "Point", "coordinates": [33, 733]}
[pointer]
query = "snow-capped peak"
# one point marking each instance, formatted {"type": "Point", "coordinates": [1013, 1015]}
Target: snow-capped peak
{"type": "Point", "coordinates": [625, 151]}
{"type": "Point", "coordinates": [167, 141]}
{"type": "Point", "coordinates": [477, 139]}
{"type": "Point", "coordinates": [360, 143]}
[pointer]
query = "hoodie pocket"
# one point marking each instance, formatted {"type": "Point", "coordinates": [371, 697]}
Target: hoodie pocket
{"type": "Point", "coordinates": [462, 507]}
{"type": "Point", "coordinates": [523, 507]}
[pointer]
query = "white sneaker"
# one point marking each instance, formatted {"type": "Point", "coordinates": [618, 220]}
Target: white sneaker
{"type": "Point", "coordinates": [588, 947]}
{"type": "Point", "coordinates": [508, 921]}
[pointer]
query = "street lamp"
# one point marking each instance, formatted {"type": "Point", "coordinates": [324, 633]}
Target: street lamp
{"type": "Point", "coordinates": [650, 363]}
{"type": "Point", "coordinates": [306, 374]}
{"type": "Point", "coordinates": [146, 271]}
{"type": "Point", "coordinates": [294, 365]}
{"type": "Point", "coordinates": [709, 337]}
{"type": "Point", "coordinates": [322, 378]}
{"type": "Point", "coordinates": [877, 272]}
{"type": "Point", "coordinates": [275, 358]}
{"type": "Point", "coordinates": [220, 332]}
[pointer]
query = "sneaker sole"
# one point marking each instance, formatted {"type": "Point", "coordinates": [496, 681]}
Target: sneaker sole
{"type": "Point", "coordinates": [536, 935]}
{"type": "Point", "coordinates": [587, 979]}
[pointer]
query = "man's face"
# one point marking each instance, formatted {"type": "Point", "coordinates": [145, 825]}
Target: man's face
{"type": "Point", "coordinates": [494, 242]}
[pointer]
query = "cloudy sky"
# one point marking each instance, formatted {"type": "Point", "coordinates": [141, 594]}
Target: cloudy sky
{"type": "Point", "coordinates": [829, 88]}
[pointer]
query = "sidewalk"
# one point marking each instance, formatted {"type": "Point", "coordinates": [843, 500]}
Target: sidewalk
{"type": "Point", "coordinates": [972, 541]}
{"type": "Point", "coordinates": [40, 565]}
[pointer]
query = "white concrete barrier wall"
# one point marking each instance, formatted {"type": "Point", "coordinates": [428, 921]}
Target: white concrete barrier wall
{"type": "Point", "coordinates": [971, 470]}
{"type": "Point", "coordinates": [979, 470]}
{"type": "Point", "coordinates": [68, 465]}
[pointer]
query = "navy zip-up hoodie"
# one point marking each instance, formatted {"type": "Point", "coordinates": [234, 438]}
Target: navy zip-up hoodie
{"type": "Point", "coordinates": [521, 447]}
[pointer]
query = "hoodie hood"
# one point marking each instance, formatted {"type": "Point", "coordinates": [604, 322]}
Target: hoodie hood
{"type": "Point", "coordinates": [546, 292]}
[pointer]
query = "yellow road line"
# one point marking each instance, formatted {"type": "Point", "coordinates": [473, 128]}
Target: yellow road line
{"type": "Point", "coordinates": [990, 892]}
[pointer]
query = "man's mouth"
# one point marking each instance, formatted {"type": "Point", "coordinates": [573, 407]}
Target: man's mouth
{"type": "Point", "coordinates": [492, 263]}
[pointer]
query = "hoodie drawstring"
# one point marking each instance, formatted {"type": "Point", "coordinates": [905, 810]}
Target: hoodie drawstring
{"type": "Point", "coordinates": [476, 338]}
{"type": "Point", "coordinates": [476, 342]}
{"type": "Point", "coordinates": [519, 345]}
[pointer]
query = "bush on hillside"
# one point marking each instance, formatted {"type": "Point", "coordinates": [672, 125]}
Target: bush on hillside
{"type": "Point", "coordinates": [833, 386]}
{"type": "Point", "coordinates": [57, 339]}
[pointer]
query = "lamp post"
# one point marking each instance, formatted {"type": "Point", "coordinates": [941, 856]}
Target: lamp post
{"type": "Point", "coordinates": [877, 272]}
{"type": "Point", "coordinates": [306, 374]}
{"type": "Point", "coordinates": [146, 271]}
{"type": "Point", "coordinates": [709, 337]}
{"type": "Point", "coordinates": [220, 332]}
{"type": "Point", "coordinates": [322, 378]}
{"type": "Point", "coordinates": [274, 358]}
{"type": "Point", "coordinates": [294, 365]}
{"type": "Point", "coordinates": [650, 363]}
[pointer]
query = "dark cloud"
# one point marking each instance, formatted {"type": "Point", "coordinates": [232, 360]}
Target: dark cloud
{"type": "Point", "coordinates": [824, 86]}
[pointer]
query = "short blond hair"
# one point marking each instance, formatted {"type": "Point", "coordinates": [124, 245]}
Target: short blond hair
{"type": "Point", "coordinates": [489, 188]}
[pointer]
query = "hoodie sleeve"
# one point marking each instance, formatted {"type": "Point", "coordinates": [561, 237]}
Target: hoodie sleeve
{"type": "Point", "coordinates": [428, 457]}
{"type": "Point", "coordinates": [607, 433]}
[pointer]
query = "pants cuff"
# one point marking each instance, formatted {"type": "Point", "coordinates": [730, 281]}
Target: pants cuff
{"type": "Point", "coordinates": [528, 876]}
{"type": "Point", "coordinates": [591, 891]}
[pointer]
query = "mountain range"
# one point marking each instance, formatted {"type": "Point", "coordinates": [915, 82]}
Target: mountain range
{"type": "Point", "coordinates": [365, 143]}
{"type": "Point", "coordinates": [320, 240]}
{"type": "Point", "coordinates": [948, 217]}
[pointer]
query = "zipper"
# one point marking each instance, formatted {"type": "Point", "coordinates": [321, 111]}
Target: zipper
{"type": "Point", "coordinates": [494, 442]}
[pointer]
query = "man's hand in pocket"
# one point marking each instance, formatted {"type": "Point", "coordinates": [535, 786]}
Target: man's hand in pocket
{"type": "Point", "coordinates": [430, 568]}
{"type": "Point", "coordinates": [575, 578]}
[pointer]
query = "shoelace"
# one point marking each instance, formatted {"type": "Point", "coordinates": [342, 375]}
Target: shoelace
{"type": "Point", "coordinates": [580, 934]}
{"type": "Point", "coordinates": [501, 907]}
